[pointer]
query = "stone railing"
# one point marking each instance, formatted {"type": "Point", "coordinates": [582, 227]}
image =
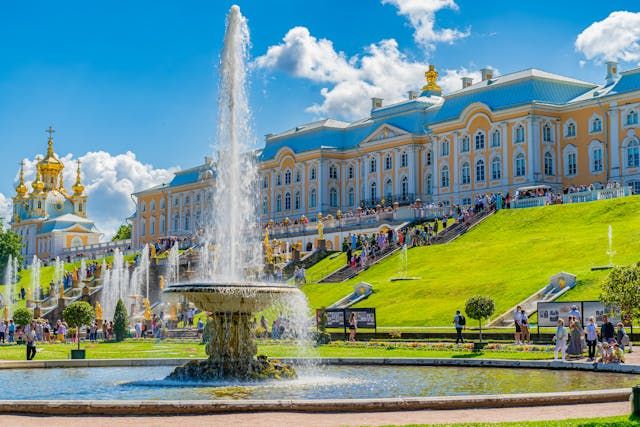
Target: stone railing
{"type": "Point", "coordinates": [98, 249]}
{"type": "Point", "coordinates": [530, 202]}
{"type": "Point", "coordinates": [590, 196]}
{"type": "Point", "coordinates": [334, 224]}
{"type": "Point", "coordinates": [431, 212]}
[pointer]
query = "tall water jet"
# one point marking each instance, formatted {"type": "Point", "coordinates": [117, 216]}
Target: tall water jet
{"type": "Point", "coordinates": [173, 260]}
{"type": "Point", "coordinates": [35, 280]}
{"type": "Point", "coordinates": [10, 280]}
{"type": "Point", "coordinates": [227, 288]}
{"type": "Point", "coordinates": [610, 252]}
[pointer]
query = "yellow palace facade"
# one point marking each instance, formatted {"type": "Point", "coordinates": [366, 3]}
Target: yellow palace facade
{"type": "Point", "coordinates": [505, 132]}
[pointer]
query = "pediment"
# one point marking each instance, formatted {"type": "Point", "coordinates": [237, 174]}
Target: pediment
{"type": "Point", "coordinates": [384, 132]}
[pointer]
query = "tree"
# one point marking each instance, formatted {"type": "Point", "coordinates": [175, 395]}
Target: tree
{"type": "Point", "coordinates": [479, 308]}
{"type": "Point", "coordinates": [77, 314]}
{"type": "Point", "coordinates": [10, 244]}
{"type": "Point", "coordinates": [120, 321]}
{"type": "Point", "coordinates": [22, 316]}
{"type": "Point", "coordinates": [621, 288]}
{"type": "Point", "coordinates": [123, 233]}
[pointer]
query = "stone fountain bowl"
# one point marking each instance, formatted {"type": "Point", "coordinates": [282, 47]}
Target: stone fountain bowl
{"type": "Point", "coordinates": [245, 297]}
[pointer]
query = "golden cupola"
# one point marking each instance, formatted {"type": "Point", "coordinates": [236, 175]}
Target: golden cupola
{"type": "Point", "coordinates": [432, 87]}
{"type": "Point", "coordinates": [78, 188]}
{"type": "Point", "coordinates": [50, 167]}
{"type": "Point", "coordinates": [38, 185]}
{"type": "Point", "coordinates": [21, 189]}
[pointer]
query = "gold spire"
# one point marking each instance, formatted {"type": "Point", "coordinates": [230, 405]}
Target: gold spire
{"type": "Point", "coordinates": [38, 185]}
{"type": "Point", "coordinates": [432, 76]}
{"type": "Point", "coordinates": [78, 188]}
{"type": "Point", "coordinates": [21, 189]}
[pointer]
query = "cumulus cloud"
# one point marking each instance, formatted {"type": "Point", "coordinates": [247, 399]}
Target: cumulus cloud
{"type": "Point", "coordinates": [422, 17]}
{"type": "Point", "coordinates": [615, 38]}
{"type": "Point", "coordinates": [382, 71]}
{"type": "Point", "coordinates": [5, 209]}
{"type": "Point", "coordinates": [109, 181]}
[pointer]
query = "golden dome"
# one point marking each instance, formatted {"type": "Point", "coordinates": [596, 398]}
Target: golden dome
{"type": "Point", "coordinates": [50, 162]}
{"type": "Point", "coordinates": [78, 188]}
{"type": "Point", "coordinates": [38, 185]}
{"type": "Point", "coordinates": [21, 189]}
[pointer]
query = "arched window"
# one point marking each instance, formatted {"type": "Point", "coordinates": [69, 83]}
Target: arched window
{"type": "Point", "coordinates": [144, 207]}
{"type": "Point", "coordinates": [632, 118]}
{"type": "Point", "coordinates": [176, 222]}
{"type": "Point", "coordinates": [153, 226]}
{"type": "Point", "coordinates": [464, 148]}
{"type": "Point", "coordinates": [298, 175]}
{"type": "Point", "coordinates": [428, 182]}
{"type": "Point", "coordinates": [187, 221]}
{"type": "Point", "coordinates": [373, 192]}
{"type": "Point", "coordinates": [480, 141]}
{"type": "Point", "coordinates": [278, 179]}
{"type": "Point", "coordinates": [633, 154]}
{"type": "Point", "coordinates": [333, 198]}
{"type": "Point", "coordinates": [162, 203]}
{"type": "Point", "coordinates": [143, 226]}
{"type": "Point", "coordinates": [444, 176]}
{"type": "Point", "coordinates": [350, 172]}
{"type": "Point", "coordinates": [296, 201]}
{"type": "Point", "coordinates": [287, 201]}
{"type": "Point", "coordinates": [187, 200]}
{"type": "Point", "coordinates": [546, 133]}
{"type": "Point", "coordinates": [279, 203]}
{"type": "Point", "coordinates": [352, 199]}
{"type": "Point", "coordinates": [153, 205]}
{"type": "Point", "coordinates": [548, 163]}
{"type": "Point", "coordinates": [404, 160]}
{"type": "Point", "coordinates": [163, 224]}
{"type": "Point", "coordinates": [405, 188]}
{"type": "Point", "coordinates": [387, 162]}
{"type": "Point", "coordinates": [572, 163]}
{"type": "Point", "coordinates": [596, 125]}
{"type": "Point", "coordinates": [444, 148]}
{"type": "Point", "coordinates": [333, 172]}
{"type": "Point", "coordinates": [496, 168]}
{"type": "Point", "coordinates": [80, 207]}
{"type": "Point", "coordinates": [520, 169]}
{"type": "Point", "coordinates": [570, 130]}
{"type": "Point", "coordinates": [635, 186]}
{"type": "Point", "coordinates": [595, 155]}
{"type": "Point", "coordinates": [265, 206]}
{"type": "Point", "coordinates": [428, 159]}
{"type": "Point", "coordinates": [388, 188]}
{"type": "Point", "coordinates": [519, 134]}
{"type": "Point", "coordinates": [373, 165]}
{"type": "Point", "coordinates": [287, 177]}
{"type": "Point", "coordinates": [312, 198]}
{"type": "Point", "coordinates": [495, 139]}
{"type": "Point", "coordinates": [480, 170]}
{"type": "Point", "coordinates": [312, 174]}
{"type": "Point", "coordinates": [465, 174]}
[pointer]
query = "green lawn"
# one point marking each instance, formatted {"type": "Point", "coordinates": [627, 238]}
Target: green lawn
{"type": "Point", "coordinates": [509, 256]}
{"type": "Point", "coordinates": [190, 349]}
{"type": "Point", "coordinates": [621, 421]}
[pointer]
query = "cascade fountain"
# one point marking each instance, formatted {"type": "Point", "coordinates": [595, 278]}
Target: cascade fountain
{"type": "Point", "coordinates": [116, 284]}
{"type": "Point", "coordinates": [610, 252]}
{"type": "Point", "coordinates": [227, 287]}
{"type": "Point", "coordinates": [35, 280]}
{"type": "Point", "coordinates": [10, 280]}
{"type": "Point", "coordinates": [174, 263]}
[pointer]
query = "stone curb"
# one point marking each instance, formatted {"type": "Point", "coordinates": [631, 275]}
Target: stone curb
{"type": "Point", "coordinates": [195, 407]}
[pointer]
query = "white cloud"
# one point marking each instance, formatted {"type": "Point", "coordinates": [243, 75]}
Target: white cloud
{"type": "Point", "coordinates": [383, 71]}
{"type": "Point", "coordinates": [5, 209]}
{"type": "Point", "coordinates": [109, 181]}
{"type": "Point", "coordinates": [422, 17]}
{"type": "Point", "coordinates": [450, 80]}
{"type": "Point", "coordinates": [615, 38]}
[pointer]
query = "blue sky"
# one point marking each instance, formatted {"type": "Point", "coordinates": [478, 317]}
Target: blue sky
{"type": "Point", "coordinates": [141, 76]}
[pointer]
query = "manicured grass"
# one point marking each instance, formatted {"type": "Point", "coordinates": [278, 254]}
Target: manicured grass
{"type": "Point", "coordinates": [325, 267]}
{"type": "Point", "coordinates": [620, 421]}
{"type": "Point", "coordinates": [509, 256]}
{"type": "Point", "coordinates": [138, 349]}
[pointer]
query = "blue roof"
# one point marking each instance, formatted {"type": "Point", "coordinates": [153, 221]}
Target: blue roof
{"type": "Point", "coordinates": [627, 82]}
{"type": "Point", "coordinates": [58, 225]}
{"type": "Point", "coordinates": [189, 176]}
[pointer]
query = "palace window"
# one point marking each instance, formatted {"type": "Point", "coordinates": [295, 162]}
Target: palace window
{"type": "Point", "coordinates": [387, 162]}
{"type": "Point", "coordinates": [444, 148]}
{"type": "Point", "coordinates": [278, 180]}
{"type": "Point", "coordinates": [312, 199]}
{"type": "Point", "coordinates": [287, 177]}
{"type": "Point", "coordinates": [480, 141]}
{"type": "Point", "coordinates": [265, 206]}
{"type": "Point", "coordinates": [570, 130]}
{"type": "Point", "coordinates": [265, 182]}
{"type": "Point", "coordinates": [163, 224]}
{"type": "Point", "coordinates": [546, 133]}
{"type": "Point", "coordinates": [187, 221]}
{"type": "Point", "coordinates": [465, 174]}
{"type": "Point", "coordinates": [373, 192]}
{"type": "Point", "coordinates": [495, 139]}
{"type": "Point", "coordinates": [404, 160]}
{"type": "Point", "coordinates": [428, 158]}
{"type": "Point", "coordinates": [480, 170]}
{"type": "Point", "coordinates": [298, 175]}
{"type": "Point", "coordinates": [352, 199]}
{"type": "Point", "coordinates": [144, 206]}
{"type": "Point", "coordinates": [278, 203]}
{"type": "Point", "coordinates": [312, 174]}
{"type": "Point", "coordinates": [428, 184]}
{"type": "Point", "coordinates": [520, 169]}
{"type": "Point", "coordinates": [143, 226]}
{"type": "Point", "coordinates": [333, 172]}
{"type": "Point", "coordinates": [350, 172]}
{"type": "Point", "coordinates": [548, 164]}
{"type": "Point", "coordinates": [596, 125]}
{"type": "Point", "coordinates": [176, 223]}
{"type": "Point", "coordinates": [153, 226]}
{"type": "Point", "coordinates": [519, 134]}
{"type": "Point", "coordinates": [80, 207]}
{"type": "Point", "coordinates": [596, 161]}
{"type": "Point", "coordinates": [444, 176]}
{"type": "Point", "coordinates": [571, 160]}
{"type": "Point", "coordinates": [464, 148]}
{"type": "Point", "coordinates": [176, 201]}
{"type": "Point", "coordinates": [187, 200]}
{"type": "Point", "coordinates": [287, 201]}
{"type": "Point", "coordinates": [388, 188]}
{"type": "Point", "coordinates": [632, 118]}
{"type": "Point", "coordinates": [405, 188]}
{"type": "Point", "coordinates": [635, 186]}
{"type": "Point", "coordinates": [296, 201]}
{"type": "Point", "coordinates": [153, 205]}
{"type": "Point", "coordinates": [496, 168]}
{"type": "Point", "coordinates": [162, 204]}
{"type": "Point", "coordinates": [633, 154]}
{"type": "Point", "coordinates": [333, 198]}
{"type": "Point", "coordinates": [373, 165]}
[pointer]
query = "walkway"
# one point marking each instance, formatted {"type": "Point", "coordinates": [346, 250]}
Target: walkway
{"type": "Point", "coordinates": [330, 420]}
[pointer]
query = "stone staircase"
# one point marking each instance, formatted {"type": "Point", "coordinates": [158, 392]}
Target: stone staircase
{"type": "Point", "coordinates": [459, 228]}
{"type": "Point", "coordinates": [347, 272]}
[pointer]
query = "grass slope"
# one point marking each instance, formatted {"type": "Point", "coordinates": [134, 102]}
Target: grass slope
{"type": "Point", "coordinates": [509, 256]}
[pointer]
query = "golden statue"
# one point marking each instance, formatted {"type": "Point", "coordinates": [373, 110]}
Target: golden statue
{"type": "Point", "coordinates": [432, 76]}
{"type": "Point", "coordinates": [152, 250]}
{"type": "Point", "coordinates": [173, 312]}
{"type": "Point", "coordinates": [320, 227]}
{"type": "Point", "coordinates": [268, 250]}
{"type": "Point", "coordinates": [161, 282]}
{"type": "Point", "coordinates": [98, 311]}
{"type": "Point", "coordinates": [147, 309]}
{"type": "Point", "coordinates": [60, 291]}
{"type": "Point", "coordinates": [29, 295]}
{"type": "Point", "coordinates": [6, 313]}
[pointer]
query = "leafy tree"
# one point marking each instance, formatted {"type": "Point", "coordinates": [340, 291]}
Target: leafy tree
{"type": "Point", "coordinates": [123, 233]}
{"type": "Point", "coordinates": [10, 244]}
{"type": "Point", "coordinates": [22, 316]}
{"type": "Point", "coordinates": [479, 307]}
{"type": "Point", "coordinates": [621, 287]}
{"type": "Point", "coordinates": [78, 314]}
{"type": "Point", "coordinates": [120, 321]}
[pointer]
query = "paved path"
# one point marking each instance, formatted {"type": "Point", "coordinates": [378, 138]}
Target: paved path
{"type": "Point", "coordinates": [330, 420]}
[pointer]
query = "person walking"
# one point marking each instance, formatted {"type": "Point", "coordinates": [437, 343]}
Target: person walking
{"type": "Point", "coordinates": [560, 339]}
{"type": "Point", "coordinates": [459, 322]}
{"type": "Point", "coordinates": [12, 331]}
{"type": "Point", "coordinates": [353, 326]}
{"type": "Point", "coordinates": [621, 336]}
{"type": "Point", "coordinates": [31, 341]}
{"type": "Point", "coordinates": [2, 328]}
{"type": "Point", "coordinates": [517, 317]}
{"type": "Point", "coordinates": [591, 332]}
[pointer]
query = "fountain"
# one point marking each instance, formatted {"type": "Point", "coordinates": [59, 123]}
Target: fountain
{"type": "Point", "coordinates": [403, 259]}
{"type": "Point", "coordinates": [610, 252]}
{"type": "Point", "coordinates": [10, 280]}
{"type": "Point", "coordinates": [232, 255]}
{"type": "Point", "coordinates": [35, 281]}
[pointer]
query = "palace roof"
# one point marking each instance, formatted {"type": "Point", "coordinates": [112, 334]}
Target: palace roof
{"type": "Point", "coordinates": [65, 222]}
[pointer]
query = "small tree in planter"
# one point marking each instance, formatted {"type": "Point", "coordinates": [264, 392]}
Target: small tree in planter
{"type": "Point", "coordinates": [76, 315]}
{"type": "Point", "coordinates": [120, 322]}
{"type": "Point", "coordinates": [22, 317]}
{"type": "Point", "coordinates": [479, 308]}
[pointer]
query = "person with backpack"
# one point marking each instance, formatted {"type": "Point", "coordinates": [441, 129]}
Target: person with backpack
{"type": "Point", "coordinates": [459, 322]}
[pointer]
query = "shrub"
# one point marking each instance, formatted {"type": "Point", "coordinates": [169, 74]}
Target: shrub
{"type": "Point", "coordinates": [78, 314]}
{"type": "Point", "coordinates": [479, 307]}
{"type": "Point", "coordinates": [120, 322]}
{"type": "Point", "coordinates": [22, 316]}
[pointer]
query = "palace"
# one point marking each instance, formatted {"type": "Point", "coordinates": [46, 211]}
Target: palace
{"type": "Point", "coordinates": [49, 219]}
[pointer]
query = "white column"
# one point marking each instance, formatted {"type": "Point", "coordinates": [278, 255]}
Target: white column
{"type": "Point", "coordinates": [535, 137]}
{"type": "Point", "coordinates": [453, 174]}
{"type": "Point", "coordinates": [530, 150]}
{"type": "Point", "coordinates": [504, 140]}
{"type": "Point", "coordinates": [413, 170]}
{"type": "Point", "coordinates": [396, 189]}
{"type": "Point", "coordinates": [557, 164]}
{"type": "Point", "coordinates": [435, 178]}
{"type": "Point", "coordinates": [614, 141]}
